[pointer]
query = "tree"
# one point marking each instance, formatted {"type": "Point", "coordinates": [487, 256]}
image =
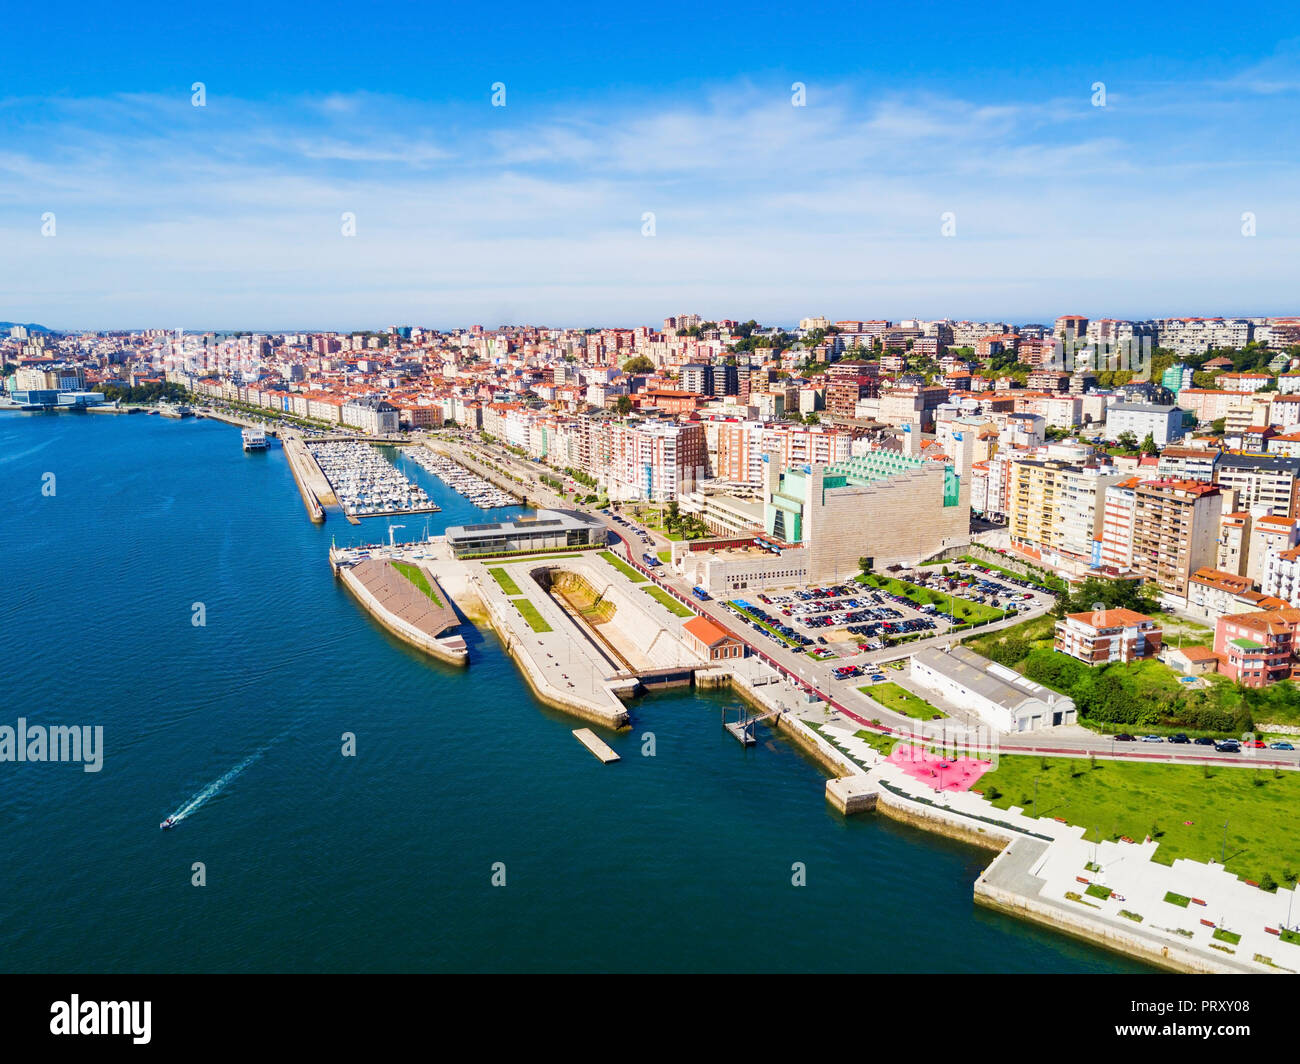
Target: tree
{"type": "Point", "coordinates": [638, 364]}
{"type": "Point", "coordinates": [1218, 425]}
{"type": "Point", "coordinates": [624, 404]}
{"type": "Point", "coordinates": [1149, 445]}
{"type": "Point", "coordinates": [864, 564]}
{"type": "Point", "coordinates": [1127, 441]}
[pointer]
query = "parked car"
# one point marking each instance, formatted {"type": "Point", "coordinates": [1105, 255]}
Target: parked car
{"type": "Point", "coordinates": [1228, 746]}
{"type": "Point", "coordinates": [1124, 737]}
{"type": "Point", "coordinates": [1153, 738]}
{"type": "Point", "coordinates": [1203, 740]}
{"type": "Point", "coordinates": [1280, 746]}
{"type": "Point", "coordinates": [1256, 744]}
{"type": "Point", "coordinates": [1179, 738]}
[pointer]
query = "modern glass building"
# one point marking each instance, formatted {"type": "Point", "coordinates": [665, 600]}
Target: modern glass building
{"type": "Point", "coordinates": [546, 530]}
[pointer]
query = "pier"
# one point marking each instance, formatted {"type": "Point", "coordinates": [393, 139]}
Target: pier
{"type": "Point", "coordinates": [410, 613]}
{"type": "Point", "coordinates": [311, 482]}
{"type": "Point", "coordinates": [589, 739]}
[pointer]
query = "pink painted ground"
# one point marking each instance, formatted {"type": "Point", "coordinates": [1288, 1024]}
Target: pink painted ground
{"type": "Point", "coordinates": [935, 772]}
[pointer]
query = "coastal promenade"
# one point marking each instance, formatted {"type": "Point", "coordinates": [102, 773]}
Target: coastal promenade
{"type": "Point", "coordinates": [312, 485]}
{"type": "Point", "coordinates": [1044, 867]}
{"type": "Point", "coordinates": [563, 669]}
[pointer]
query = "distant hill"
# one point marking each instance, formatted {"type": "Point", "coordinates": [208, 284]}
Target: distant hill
{"type": "Point", "coordinates": [32, 327]}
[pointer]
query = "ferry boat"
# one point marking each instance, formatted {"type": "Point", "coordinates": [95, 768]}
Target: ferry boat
{"type": "Point", "coordinates": [254, 439]}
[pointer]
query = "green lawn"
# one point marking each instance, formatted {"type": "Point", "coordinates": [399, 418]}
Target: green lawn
{"type": "Point", "coordinates": [417, 576]}
{"type": "Point", "coordinates": [623, 567]}
{"type": "Point", "coordinates": [507, 584]}
{"type": "Point", "coordinates": [768, 628]}
{"type": "Point", "coordinates": [664, 556]}
{"type": "Point", "coordinates": [667, 601]}
{"type": "Point", "coordinates": [1039, 632]}
{"type": "Point", "coordinates": [529, 612]}
{"type": "Point", "coordinates": [1186, 809]}
{"type": "Point", "coordinates": [1011, 573]}
{"type": "Point", "coordinates": [880, 742]}
{"type": "Point", "coordinates": [894, 697]}
{"type": "Point", "coordinates": [962, 609]}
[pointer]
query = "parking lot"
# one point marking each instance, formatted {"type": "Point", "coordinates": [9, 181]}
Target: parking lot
{"type": "Point", "coordinates": [842, 620]}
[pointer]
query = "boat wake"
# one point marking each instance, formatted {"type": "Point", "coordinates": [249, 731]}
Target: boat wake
{"type": "Point", "coordinates": [211, 790]}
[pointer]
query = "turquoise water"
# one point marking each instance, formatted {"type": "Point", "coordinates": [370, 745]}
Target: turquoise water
{"type": "Point", "coordinates": [383, 862]}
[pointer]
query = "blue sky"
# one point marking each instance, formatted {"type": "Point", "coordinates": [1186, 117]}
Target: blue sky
{"type": "Point", "coordinates": [230, 215]}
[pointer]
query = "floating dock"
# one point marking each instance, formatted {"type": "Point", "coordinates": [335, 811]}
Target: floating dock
{"type": "Point", "coordinates": [742, 732]}
{"type": "Point", "coordinates": [592, 742]}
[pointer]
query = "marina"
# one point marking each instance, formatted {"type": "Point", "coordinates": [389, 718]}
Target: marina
{"type": "Point", "coordinates": [420, 723]}
{"type": "Point", "coordinates": [477, 490]}
{"type": "Point", "coordinates": [367, 484]}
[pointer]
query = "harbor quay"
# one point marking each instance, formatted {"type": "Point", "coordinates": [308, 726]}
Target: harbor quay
{"type": "Point", "coordinates": [589, 635]}
{"type": "Point", "coordinates": [312, 485]}
{"type": "Point", "coordinates": [415, 614]}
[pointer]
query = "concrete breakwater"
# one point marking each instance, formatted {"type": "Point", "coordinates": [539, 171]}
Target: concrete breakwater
{"type": "Point", "coordinates": [307, 476]}
{"type": "Point", "coordinates": [403, 609]}
{"type": "Point", "coordinates": [588, 704]}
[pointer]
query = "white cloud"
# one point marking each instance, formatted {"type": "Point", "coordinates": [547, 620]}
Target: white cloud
{"type": "Point", "coordinates": [229, 215]}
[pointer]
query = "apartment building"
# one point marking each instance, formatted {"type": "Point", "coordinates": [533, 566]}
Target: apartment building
{"type": "Point", "coordinates": [740, 448]}
{"type": "Point", "coordinates": [370, 414]}
{"type": "Point", "coordinates": [1269, 535]}
{"type": "Point", "coordinates": [1175, 531]}
{"type": "Point", "coordinates": [847, 382]}
{"type": "Point", "coordinates": [1194, 336]}
{"type": "Point", "coordinates": [1261, 480]}
{"type": "Point", "coordinates": [1233, 548]}
{"type": "Point", "coordinates": [1243, 382]}
{"type": "Point", "coordinates": [1256, 649]}
{"type": "Point", "coordinates": [1164, 424]}
{"type": "Point", "coordinates": [1117, 526]}
{"type": "Point", "coordinates": [1188, 463]}
{"type": "Point", "coordinates": [655, 461]}
{"type": "Point", "coordinates": [1212, 593]}
{"type": "Point", "coordinates": [1103, 636]}
{"type": "Point", "coordinates": [1056, 510]}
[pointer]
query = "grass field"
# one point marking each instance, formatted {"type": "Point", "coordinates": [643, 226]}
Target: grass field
{"type": "Point", "coordinates": [879, 742]}
{"type": "Point", "coordinates": [623, 567]}
{"type": "Point", "coordinates": [1038, 632]}
{"type": "Point", "coordinates": [1185, 809]}
{"type": "Point", "coordinates": [963, 609]}
{"type": "Point", "coordinates": [529, 612]}
{"type": "Point", "coordinates": [416, 575]}
{"type": "Point", "coordinates": [1010, 573]}
{"type": "Point", "coordinates": [891, 696]}
{"type": "Point", "coordinates": [503, 579]}
{"type": "Point", "coordinates": [664, 556]}
{"type": "Point", "coordinates": [667, 601]}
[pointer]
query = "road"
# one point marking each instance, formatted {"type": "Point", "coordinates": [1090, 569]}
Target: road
{"type": "Point", "coordinates": [817, 677]}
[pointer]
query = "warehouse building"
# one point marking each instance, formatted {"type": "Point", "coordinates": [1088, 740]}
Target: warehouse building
{"type": "Point", "coordinates": [1003, 698]}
